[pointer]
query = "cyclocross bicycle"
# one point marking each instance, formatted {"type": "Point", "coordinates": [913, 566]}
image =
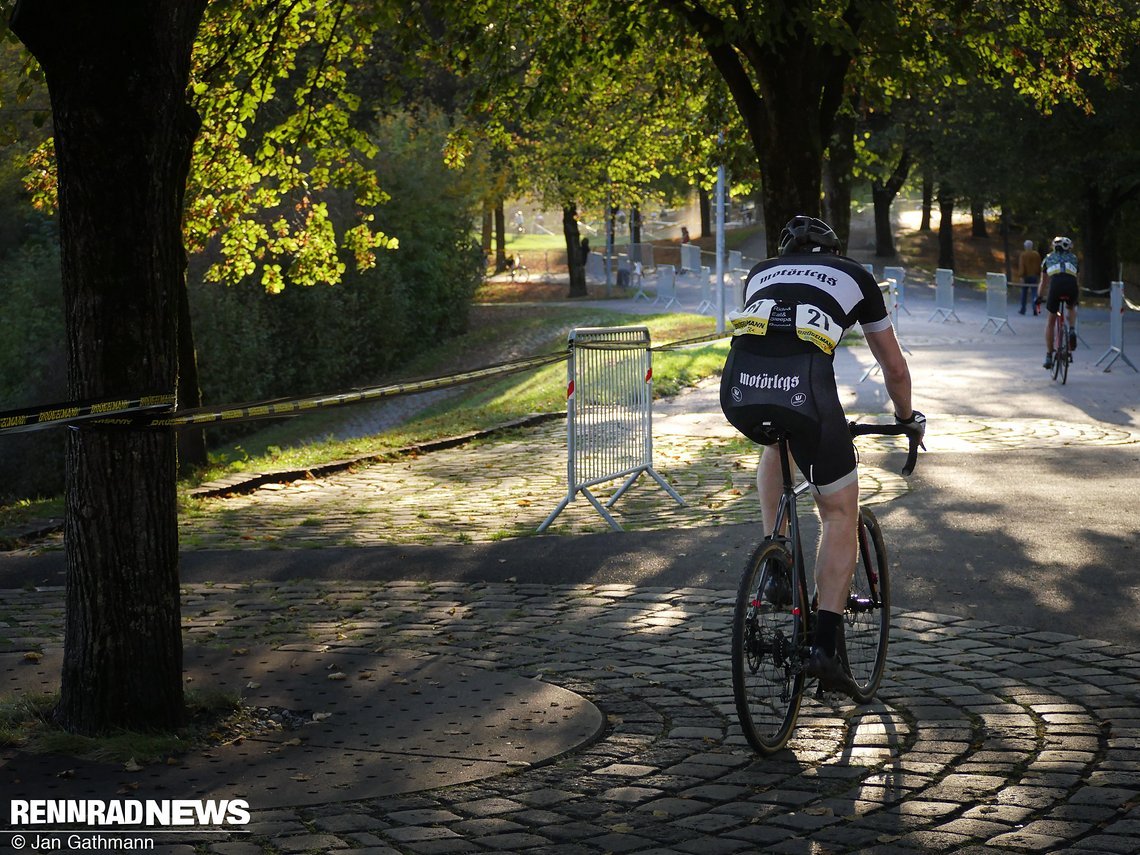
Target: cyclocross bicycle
{"type": "Point", "coordinates": [774, 620]}
{"type": "Point", "coordinates": [1063, 334]}
{"type": "Point", "coordinates": [519, 271]}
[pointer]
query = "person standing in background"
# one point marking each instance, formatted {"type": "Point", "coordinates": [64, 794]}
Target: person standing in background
{"type": "Point", "coordinates": [1029, 271]}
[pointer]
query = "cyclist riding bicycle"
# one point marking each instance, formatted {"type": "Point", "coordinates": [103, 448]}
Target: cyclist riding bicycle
{"type": "Point", "coordinates": [1059, 282]}
{"type": "Point", "coordinates": [780, 376]}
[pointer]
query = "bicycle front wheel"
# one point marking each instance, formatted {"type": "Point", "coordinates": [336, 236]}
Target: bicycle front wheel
{"type": "Point", "coordinates": [868, 613]}
{"type": "Point", "coordinates": [767, 645]}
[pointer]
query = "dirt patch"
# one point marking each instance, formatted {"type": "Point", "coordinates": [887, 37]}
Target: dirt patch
{"type": "Point", "coordinates": [542, 289]}
{"type": "Point", "coordinates": [974, 257]}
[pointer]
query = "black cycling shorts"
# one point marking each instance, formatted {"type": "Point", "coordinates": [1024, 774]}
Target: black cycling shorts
{"type": "Point", "coordinates": [1062, 285]}
{"type": "Point", "coordinates": [762, 394]}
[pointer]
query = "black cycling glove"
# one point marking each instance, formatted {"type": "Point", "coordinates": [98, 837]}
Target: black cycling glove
{"type": "Point", "coordinates": [916, 418]}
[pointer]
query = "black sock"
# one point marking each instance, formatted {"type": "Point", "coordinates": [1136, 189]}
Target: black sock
{"type": "Point", "coordinates": [826, 630]}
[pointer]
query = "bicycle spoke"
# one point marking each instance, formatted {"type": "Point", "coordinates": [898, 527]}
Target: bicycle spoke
{"type": "Point", "coordinates": [767, 649]}
{"type": "Point", "coordinates": [867, 617]}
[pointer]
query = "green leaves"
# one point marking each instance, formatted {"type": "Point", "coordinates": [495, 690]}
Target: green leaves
{"type": "Point", "coordinates": [282, 137]}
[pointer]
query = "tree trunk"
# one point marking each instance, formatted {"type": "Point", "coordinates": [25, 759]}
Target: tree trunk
{"type": "Point", "coordinates": [840, 169]}
{"type": "Point", "coordinates": [881, 199]}
{"type": "Point", "coordinates": [191, 441]}
{"type": "Point", "coordinates": [927, 202]}
{"type": "Point", "coordinates": [485, 237]}
{"type": "Point", "coordinates": [883, 194]}
{"type": "Point", "coordinates": [945, 227]}
{"type": "Point", "coordinates": [635, 223]}
{"type": "Point", "coordinates": [704, 205]}
{"type": "Point", "coordinates": [117, 77]}
{"type": "Point", "coordinates": [1099, 258]}
{"type": "Point", "coordinates": [500, 238]}
{"type": "Point", "coordinates": [575, 262]}
{"type": "Point", "coordinates": [978, 220]}
{"type": "Point", "coordinates": [1005, 247]}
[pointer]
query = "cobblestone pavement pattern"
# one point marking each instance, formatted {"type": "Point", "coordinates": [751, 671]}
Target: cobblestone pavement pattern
{"type": "Point", "coordinates": [985, 737]}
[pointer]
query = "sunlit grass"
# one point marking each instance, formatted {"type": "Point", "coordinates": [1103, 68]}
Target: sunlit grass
{"type": "Point", "coordinates": [298, 443]}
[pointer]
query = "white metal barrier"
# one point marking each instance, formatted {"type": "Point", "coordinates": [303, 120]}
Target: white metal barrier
{"type": "Point", "coordinates": [944, 295]}
{"type": "Point", "coordinates": [690, 257]}
{"type": "Point", "coordinates": [735, 259]}
{"type": "Point", "coordinates": [609, 415]}
{"type": "Point", "coordinates": [737, 278]}
{"type": "Point", "coordinates": [639, 282]}
{"type": "Point", "coordinates": [1115, 327]}
{"type": "Point", "coordinates": [666, 286]}
{"type": "Point", "coordinates": [703, 278]}
{"type": "Point", "coordinates": [596, 267]}
{"type": "Point", "coordinates": [899, 275]}
{"type": "Point", "coordinates": [997, 309]}
{"type": "Point", "coordinates": [891, 298]}
{"type": "Point", "coordinates": [642, 252]}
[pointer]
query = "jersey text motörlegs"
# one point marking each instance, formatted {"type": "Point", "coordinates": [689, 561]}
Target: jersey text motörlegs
{"type": "Point", "coordinates": [843, 291]}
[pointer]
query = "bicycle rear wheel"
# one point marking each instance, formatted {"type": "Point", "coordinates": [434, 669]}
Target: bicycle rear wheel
{"type": "Point", "coordinates": [1059, 348]}
{"type": "Point", "coordinates": [868, 613]}
{"type": "Point", "coordinates": [1067, 358]}
{"type": "Point", "coordinates": [767, 645]}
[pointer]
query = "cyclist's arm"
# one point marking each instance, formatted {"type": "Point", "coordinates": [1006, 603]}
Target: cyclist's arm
{"type": "Point", "coordinates": [896, 373]}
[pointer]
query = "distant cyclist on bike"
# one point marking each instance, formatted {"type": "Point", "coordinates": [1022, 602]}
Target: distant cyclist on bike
{"type": "Point", "coordinates": [1059, 282]}
{"type": "Point", "coordinates": [780, 370]}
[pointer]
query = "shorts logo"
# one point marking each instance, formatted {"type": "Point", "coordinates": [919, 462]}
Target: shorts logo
{"type": "Point", "coordinates": [783, 382]}
{"type": "Point", "coordinates": [737, 395]}
{"type": "Point", "coordinates": [798, 399]}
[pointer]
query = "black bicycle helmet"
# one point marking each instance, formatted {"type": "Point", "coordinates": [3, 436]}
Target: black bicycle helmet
{"type": "Point", "coordinates": [808, 234]}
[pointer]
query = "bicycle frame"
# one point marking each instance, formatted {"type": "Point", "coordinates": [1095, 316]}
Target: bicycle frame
{"type": "Point", "coordinates": [787, 516]}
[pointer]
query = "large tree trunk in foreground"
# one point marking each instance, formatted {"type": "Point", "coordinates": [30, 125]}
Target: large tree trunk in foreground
{"type": "Point", "coordinates": [117, 76]}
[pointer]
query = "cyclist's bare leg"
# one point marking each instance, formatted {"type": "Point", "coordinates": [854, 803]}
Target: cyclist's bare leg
{"type": "Point", "coordinates": [835, 560]}
{"type": "Point", "coordinates": [1050, 323]}
{"type": "Point", "coordinates": [1072, 313]}
{"type": "Point", "coordinates": [769, 485]}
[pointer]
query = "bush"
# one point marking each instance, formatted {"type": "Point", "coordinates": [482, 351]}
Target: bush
{"type": "Point", "coordinates": [33, 367]}
{"type": "Point", "coordinates": [321, 339]}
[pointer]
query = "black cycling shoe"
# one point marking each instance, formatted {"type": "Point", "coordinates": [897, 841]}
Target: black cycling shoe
{"type": "Point", "coordinates": [1072, 341]}
{"type": "Point", "coordinates": [1049, 359]}
{"type": "Point", "coordinates": [829, 671]}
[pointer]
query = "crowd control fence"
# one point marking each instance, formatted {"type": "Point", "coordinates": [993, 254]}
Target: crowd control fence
{"type": "Point", "coordinates": [1116, 306]}
{"type": "Point", "coordinates": [944, 295]}
{"type": "Point", "coordinates": [898, 274]}
{"type": "Point", "coordinates": [609, 415]}
{"type": "Point", "coordinates": [609, 407]}
{"type": "Point", "coordinates": [997, 304]}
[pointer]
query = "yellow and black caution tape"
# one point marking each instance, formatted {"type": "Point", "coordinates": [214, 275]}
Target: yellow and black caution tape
{"type": "Point", "coordinates": [692, 342]}
{"type": "Point", "coordinates": [19, 421]}
{"type": "Point", "coordinates": [294, 406]}
{"type": "Point", "coordinates": [155, 410]}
